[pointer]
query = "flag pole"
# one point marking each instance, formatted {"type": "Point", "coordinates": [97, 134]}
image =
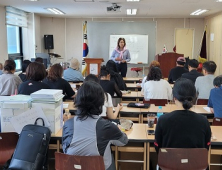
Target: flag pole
{"type": "Point", "coordinates": [205, 29]}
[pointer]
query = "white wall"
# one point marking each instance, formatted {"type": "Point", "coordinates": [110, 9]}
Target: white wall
{"type": "Point", "coordinates": [3, 35]}
{"type": "Point", "coordinates": [68, 33]}
{"type": "Point", "coordinates": [38, 45]}
{"type": "Point", "coordinates": [28, 37]}
{"type": "Point", "coordinates": [166, 33]}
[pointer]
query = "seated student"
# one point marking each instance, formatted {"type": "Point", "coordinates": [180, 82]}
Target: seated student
{"type": "Point", "coordinates": [152, 64]}
{"type": "Point", "coordinates": [204, 83]}
{"type": "Point", "coordinates": [215, 98]}
{"type": "Point", "coordinates": [114, 75]}
{"type": "Point", "coordinates": [8, 81]}
{"type": "Point", "coordinates": [107, 85]}
{"type": "Point", "coordinates": [183, 128]}
{"type": "Point", "coordinates": [1, 69]}
{"type": "Point", "coordinates": [88, 134]}
{"type": "Point", "coordinates": [192, 74]}
{"type": "Point", "coordinates": [108, 104]}
{"type": "Point", "coordinates": [39, 60]}
{"type": "Point", "coordinates": [22, 75]}
{"type": "Point", "coordinates": [156, 87]}
{"type": "Point", "coordinates": [177, 71]}
{"type": "Point", "coordinates": [35, 73]}
{"type": "Point", "coordinates": [72, 73]}
{"type": "Point", "coordinates": [55, 81]}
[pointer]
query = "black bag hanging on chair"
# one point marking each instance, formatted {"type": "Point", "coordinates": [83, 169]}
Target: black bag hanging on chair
{"type": "Point", "coordinates": [32, 147]}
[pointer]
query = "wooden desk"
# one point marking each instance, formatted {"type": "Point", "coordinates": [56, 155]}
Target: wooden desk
{"type": "Point", "coordinates": [130, 113]}
{"type": "Point", "coordinates": [133, 95]}
{"type": "Point", "coordinates": [138, 133]}
{"type": "Point", "coordinates": [133, 86]}
{"type": "Point", "coordinates": [132, 79]}
{"type": "Point", "coordinates": [171, 107]}
{"type": "Point", "coordinates": [71, 106]}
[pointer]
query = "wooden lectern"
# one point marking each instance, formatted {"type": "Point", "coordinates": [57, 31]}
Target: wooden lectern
{"type": "Point", "coordinates": [93, 65]}
{"type": "Point", "coordinates": [167, 62]}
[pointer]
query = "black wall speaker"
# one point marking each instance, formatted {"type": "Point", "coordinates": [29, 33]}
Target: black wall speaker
{"type": "Point", "coordinates": [48, 39]}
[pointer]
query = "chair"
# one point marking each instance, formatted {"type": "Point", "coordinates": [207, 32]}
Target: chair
{"type": "Point", "coordinates": [202, 101]}
{"type": "Point", "coordinates": [64, 161]}
{"type": "Point", "coordinates": [217, 122]}
{"type": "Point", "coordinates": [157, 102]}
{"type": "Point", "coordinates": [183, 158]}
{"type": "Point", "coordinates": [8, 143]}
{"type": "Point", "coordinates": [136, 69]}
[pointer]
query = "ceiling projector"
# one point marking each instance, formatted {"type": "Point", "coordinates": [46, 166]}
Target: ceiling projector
{"type": "Point", "coordinates": [114, 8]}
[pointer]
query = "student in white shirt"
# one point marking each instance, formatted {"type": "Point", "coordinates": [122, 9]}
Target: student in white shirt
{"type": "Point", "coordinates": [154, 63]}
{"type": "Point", "coordinates": [156, 87]}
{"type": "Point", "coordinates": [108, 104]}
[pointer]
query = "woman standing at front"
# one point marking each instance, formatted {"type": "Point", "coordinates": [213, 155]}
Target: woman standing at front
{"type": "Point", "coordinates": [121, 56]}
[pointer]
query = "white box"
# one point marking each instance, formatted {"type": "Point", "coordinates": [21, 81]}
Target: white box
{"type": "Point", "coordinates": [12, 106]}
{"type": "Point", "coordinates": [6, 115]}
{"type": "Point", "coordinates": [54, 114]}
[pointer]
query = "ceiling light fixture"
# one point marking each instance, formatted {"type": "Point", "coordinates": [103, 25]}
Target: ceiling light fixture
{"type": "Point", "coordinates": [131, 11]}
{"type": "Point", "coordinates": [31, 0]}
{"type": "Point", "coordinates": [199, 12]}
{"type": "Point", "coordinates": [219, 1]}
{"type": "Point", "coordinates": [55, 11]}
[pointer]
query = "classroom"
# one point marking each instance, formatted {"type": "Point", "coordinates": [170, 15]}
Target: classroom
{"type": "Point", "coordinates": [161, 28]}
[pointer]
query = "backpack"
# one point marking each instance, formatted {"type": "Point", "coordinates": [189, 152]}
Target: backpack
{"type": "Point", "coordinates": [32, 147]}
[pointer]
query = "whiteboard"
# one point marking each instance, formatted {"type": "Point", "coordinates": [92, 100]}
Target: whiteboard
{"type": "Point", "coordinates": [136, 44]}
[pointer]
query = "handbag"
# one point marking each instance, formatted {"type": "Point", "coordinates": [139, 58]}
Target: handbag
{"type": "Point", "coordinates": [139, 105]}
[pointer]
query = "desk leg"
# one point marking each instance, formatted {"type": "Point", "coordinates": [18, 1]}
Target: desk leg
{"type": "Point", "coordinates": [209, 154]}
{"type": "Point", "coordinates": [144, 157]}
{"type": "Point", "coordinates": [141, 118]}
{"type": "Point", "coordinates": [148, 156]}
{"type": "Point", "coordinates": [116, 157]}
{"type": "Point", "coordinates": [58, 145]}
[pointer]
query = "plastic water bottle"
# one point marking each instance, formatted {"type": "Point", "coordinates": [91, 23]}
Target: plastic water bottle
{"type": "Point", "coordinates": [66, 115]}
{"type": "Point", "coordinates": [159, 112]}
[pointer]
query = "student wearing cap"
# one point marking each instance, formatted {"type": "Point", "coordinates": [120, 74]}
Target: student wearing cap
{"type": "Point", "coordinates": [214, 101]}
{"type": "Point", "coordinates": [72, 73]}
{"type": "Point", "coordinates": [204, 83]}
{"type": "Point", "coordinates": [177, 71]}
{"type": "Point", "coordinates": [193, 73]}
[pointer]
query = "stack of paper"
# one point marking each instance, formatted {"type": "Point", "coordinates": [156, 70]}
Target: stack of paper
{"type": "Point", "coordinates": [18, 101]}
{"type": "Point", "coordinates": [48, 95]}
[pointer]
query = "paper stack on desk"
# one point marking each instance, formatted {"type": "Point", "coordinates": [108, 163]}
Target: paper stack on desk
{"type": "Point", "coordinates": [49, 95]}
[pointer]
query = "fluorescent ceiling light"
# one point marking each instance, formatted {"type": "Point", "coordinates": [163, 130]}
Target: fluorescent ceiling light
{"type": "Point", "coordinates": [30, 0]}
{"type": "Point", "coordinates": [131, 11]}
{"type": "Point", "coordinates": [55, 11]}
{"type": "Point", "coordinates": [219, 1]}
{"type": "Point", "coordinates": [132, 0]}
{"type": "Point", "coordinates": [199, 12]}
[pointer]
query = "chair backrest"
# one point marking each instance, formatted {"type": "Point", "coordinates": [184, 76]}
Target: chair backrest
{"type": "Point", "coordinates": [217, 122]}
{"type": "Point", "coordinates": [183, 158]}
{"type": "Point", "coordinates": [64, 161]}
{"type": "Point", "coordinates": [8, 143]}
{"type": "Point", "coordinates": [157, 102]}
{"type": "Point", "coordinates": [202, 101]}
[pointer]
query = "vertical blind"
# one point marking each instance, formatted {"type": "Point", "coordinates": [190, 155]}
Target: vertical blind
{"type": "Point", "coordinates": [16, 17]}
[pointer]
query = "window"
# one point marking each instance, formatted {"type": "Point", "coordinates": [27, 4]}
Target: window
{"type": "Point", "coordinates": [14, 40]}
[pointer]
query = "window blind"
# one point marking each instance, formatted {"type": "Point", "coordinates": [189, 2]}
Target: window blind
{"type": "Point", "coordinates": [16, 17]}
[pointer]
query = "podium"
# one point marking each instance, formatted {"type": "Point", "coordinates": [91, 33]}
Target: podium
{"type": "Point", "coordinates": [167, 62]}
{"type": "Point", "coordinates": [93, 65]}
